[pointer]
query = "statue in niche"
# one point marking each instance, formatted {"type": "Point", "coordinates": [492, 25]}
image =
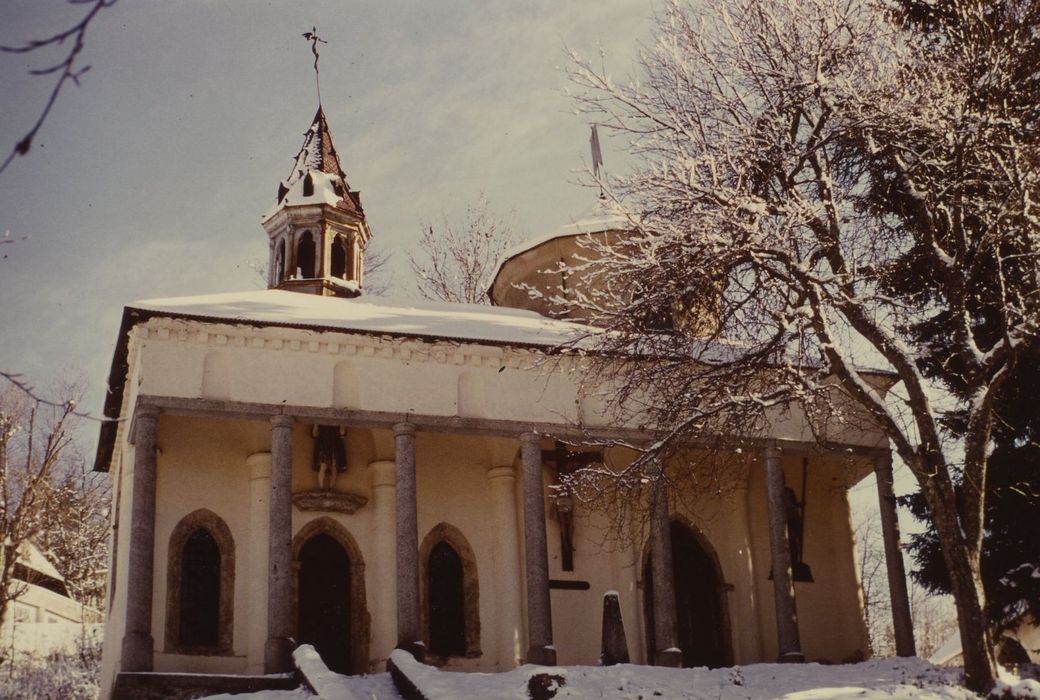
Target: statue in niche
{"type": "Point", "coordinates": [330, 455]}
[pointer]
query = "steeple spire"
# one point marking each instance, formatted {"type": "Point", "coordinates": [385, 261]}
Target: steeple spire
{"type": "Point", "coordinates": [317, 228]}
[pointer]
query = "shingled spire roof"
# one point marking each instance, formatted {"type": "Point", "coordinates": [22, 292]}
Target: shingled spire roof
{"type": "Point", "coordinates": [317, 176]}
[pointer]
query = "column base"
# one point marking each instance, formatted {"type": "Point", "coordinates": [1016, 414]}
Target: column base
{"type": "Point", "coordinates": [137, 652]}
{"type": "Point", "coordinates": [416, 649]}
{"type": "Point", "coordinates": [541, 655]}
{"type": "Point", "coordinates": [669, 658]}
{"type": "Point", "coordinates": [278, 655]}
{"type": "Point", "coordinates": [791, 657]}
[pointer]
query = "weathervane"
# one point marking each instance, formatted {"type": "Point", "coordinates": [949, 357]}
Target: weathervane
{"type": "Point", "coordinates": [597, 159]}
{"type": "Point", "coordinates": [312, 36]}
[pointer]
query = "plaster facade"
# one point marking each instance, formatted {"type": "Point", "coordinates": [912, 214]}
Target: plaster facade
{"type": "Point", "coordinates": [216, 386]}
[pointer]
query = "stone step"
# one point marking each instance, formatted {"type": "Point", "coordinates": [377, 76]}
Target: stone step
{"type": "Point", "coordinates": [187, 686]}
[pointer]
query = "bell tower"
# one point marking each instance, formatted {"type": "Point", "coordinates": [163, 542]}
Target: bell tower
{"type": "Point", "coordinates": [317, 228]}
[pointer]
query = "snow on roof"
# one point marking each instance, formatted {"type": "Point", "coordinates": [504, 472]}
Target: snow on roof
{"type": "Point", "coordinates": [323, 186]}
{"type": "Point", "coordinates": [374, 315]}
{"type": "Point", "coordinates": [30, 555]}
{"type": "Point", "coordinates": [316, 167]}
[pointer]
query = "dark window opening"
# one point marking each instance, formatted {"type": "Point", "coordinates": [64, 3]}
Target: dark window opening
{"type": "Point", "coordinates": [339, 258]}
{"type": "Point", "coordinates": [200, 590]}
{"type": "Point", "coordinates": [24, 573]}
{"type": "Point", "coordinates": [308, 186]}
{"type": "Point", "coordinates": [324, 603]}
{"type": "Point", "coordinates": [446, 601]}
{"type": "Point", "coordinates": [305, 256]}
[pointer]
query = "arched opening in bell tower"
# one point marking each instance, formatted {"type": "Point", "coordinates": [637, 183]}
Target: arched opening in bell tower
{"type": "Point", "coordinates": [305, 256]}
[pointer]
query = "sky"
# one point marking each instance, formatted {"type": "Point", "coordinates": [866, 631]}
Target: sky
{"type": "Point", "coordinates": [148, 180]}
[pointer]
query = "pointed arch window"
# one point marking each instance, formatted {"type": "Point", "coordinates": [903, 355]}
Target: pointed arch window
{"type": "Point", "coordinates": [451, 600]}
{"type": "Point", "coordinates": [339, 258]}
{"type": "Point", "coordinates": [305, 257]}
{"type": "Point", "coordinates": [446, 601]}
{"type": "Point", "coordinates": [200, 586]}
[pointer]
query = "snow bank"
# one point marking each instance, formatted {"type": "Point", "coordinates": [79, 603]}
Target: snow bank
{"type": "Point", "coordinates": [889, 679]}
{"type": "Point", "coordinates": [328, 685]}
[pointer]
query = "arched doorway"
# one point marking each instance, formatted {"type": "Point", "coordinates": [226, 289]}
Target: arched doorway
{"type": "Point", "coordinates": [699, 606]}
{"type": "Point", "coordinates": [324, 600]}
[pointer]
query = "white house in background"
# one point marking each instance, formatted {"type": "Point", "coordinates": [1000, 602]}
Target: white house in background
{"type": "Point", "coordinates": [308, 464]}
{"type": "Point", "coordinates": [43, 617]}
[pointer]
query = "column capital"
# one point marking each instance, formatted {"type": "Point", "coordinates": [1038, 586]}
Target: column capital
{"type": "Point", "coordinates": [771, 451]}
{"type": "Point", "coordinates": [404, 428]}
{"type": "Point", "coordinates": [529, 437]}
{"type": "Point", "coordinates": [282, 421]}
{"type": "Point", "coordinates": [504, 472]}
{"type": "Point", "coordinates": [147, 412]}
{"type": "Point", "coordinates": [146, 420]}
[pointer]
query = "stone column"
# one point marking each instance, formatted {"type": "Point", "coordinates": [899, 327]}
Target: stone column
{"type": "Point", "coordinates": [259, 465]}
{"type": "Point", "coordinates": [138, 645]}
{"type": "Point", "coordinates": [901, 621]}
{"type": "Point", "coordinates": [382, 565]}
{"type": "Point", "coordinates": [279, 646]}
{"type": "Point", "coordinates": [665, 651]}
{"type": "Point", "coordinates": [408, 636]}
{"type": "Point", "coordinates": [540, 648]}
{"type": "Point", "coordinates": [508, 581]}
{"type": "Point", "coordinates": [788, 641]}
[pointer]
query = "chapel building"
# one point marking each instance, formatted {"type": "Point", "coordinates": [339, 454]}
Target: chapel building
{"type": "Point", "coordinates": [308, 464]}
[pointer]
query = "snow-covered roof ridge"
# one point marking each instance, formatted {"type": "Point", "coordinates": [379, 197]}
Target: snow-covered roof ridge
{"type": "Point", "coordinates": [374, 315]}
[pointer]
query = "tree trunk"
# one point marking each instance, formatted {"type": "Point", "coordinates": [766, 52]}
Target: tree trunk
{"type": "Point", "coordinates": [962, 564]}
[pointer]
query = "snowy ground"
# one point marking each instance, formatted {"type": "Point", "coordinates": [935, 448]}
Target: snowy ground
{"type": "Point", "coordinates": [887, 679]}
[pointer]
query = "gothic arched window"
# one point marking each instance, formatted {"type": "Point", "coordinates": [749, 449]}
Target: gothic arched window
{"type": "Point", "coordinates": [200, 586]}
{"type": "Point", "coordinates": [451, 600]}
{"type": "Point", "coordinates": [305, 256]}
{"type": "Point", "coordinates": [200, 591]}
{"type": "Point", "coordinates": [446, 601]}
{"type": "Point", "coordinates": [339, 258]}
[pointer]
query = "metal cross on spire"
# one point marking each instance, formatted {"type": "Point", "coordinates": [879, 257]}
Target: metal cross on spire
{"type": "Point", "coordinates": [312, 36]}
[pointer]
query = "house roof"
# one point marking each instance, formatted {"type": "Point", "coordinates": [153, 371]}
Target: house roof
{"type": "Point", "coordinates": [370, 314]}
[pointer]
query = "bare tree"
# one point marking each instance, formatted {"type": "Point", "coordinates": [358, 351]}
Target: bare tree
{"type": "Point", "coordinates": [67, 70]}
{"type": "Point", "coordinates": [75, 528]}
{"type": "Point", "coordinates": [764, 251]}
{"type": "Point", "coordinates": [34, 439]}
{"type": "Point", "coordinates": [455, 260]}
{"type": "Point", "coordinates": [877, 609]}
